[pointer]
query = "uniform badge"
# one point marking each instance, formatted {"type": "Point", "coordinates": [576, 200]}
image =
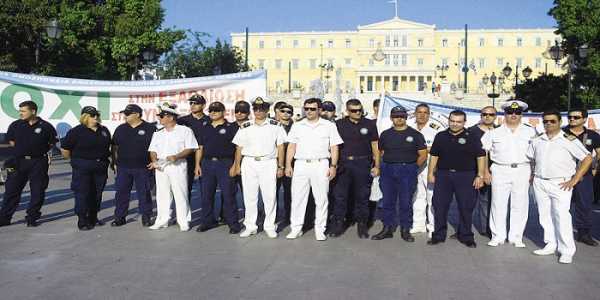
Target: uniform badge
{"type": "Point", "coordinates": [222, 131]}
{"type": "Point", "coordinates": [204, 123]}
{"type": "Point", "coordinates": [364, 131]}
{"type": "Point", "coordinates": [588, 142]}
{"type": "Point", "coordinates": [141, 132]}
{"type": "Point", "coordinates": [462, 141]}
{"type": "Point", "coordinates": [38, 130]}
{"type": "Point", "coordinates": [409, 139]}
{"type": "Point", "coordinates": [104, 133]}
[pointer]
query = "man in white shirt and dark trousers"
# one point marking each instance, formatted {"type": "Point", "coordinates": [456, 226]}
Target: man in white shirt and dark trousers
{"type": "Point", "coordinates": [555, 155]}
{"type": "Point", "coordinates": [168, 149]}
{"type": "Point", "coordinates": [313, 141]}
{"type": "Point", "coordinates": [510, 172]}
{"type": "Point", "coordinates": [260, 142]}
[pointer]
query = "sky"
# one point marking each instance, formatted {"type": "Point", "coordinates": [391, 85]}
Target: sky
{"type": "Point", "coordinates": [219, 18]}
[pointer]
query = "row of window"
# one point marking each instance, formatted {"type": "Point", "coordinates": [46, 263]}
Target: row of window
{"type": "Point", "coordinates": [402, 60]}
{"type": "Point", "coordinates": [399, 41]}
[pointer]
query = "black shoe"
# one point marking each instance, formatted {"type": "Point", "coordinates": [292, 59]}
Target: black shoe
{"type": "Point", "coordinates": [386, 233]}
{"type": "Point", "coordinates": [85, 227]}
{"type": "Point", "coordinates": [363, 230]}
{"type": "Point", "coordinates": [434, 242]}
{"type": "Point", "coordinates": [4, 222]}
{"type": "Point", "coordinates": [235, 230]}
{"type": "Point", "coordinates": [469, 244]}
{"type": "Point", "coordinates": [206, 227]}
{"type": "Point", "coordinates": [337, 228]}
{"type": "Point", "coordinates": [118, 222]}
{"type": "Point", "coordinates": [587, 239]}
{"type": "Point", "coordinates": [32, 223]}
{"type": "Point", "coordinates": [405, 234]}
{"type": "Point", "coordinates": [147, 221]}
{"type": "Point", "coordinates": [454, 236]}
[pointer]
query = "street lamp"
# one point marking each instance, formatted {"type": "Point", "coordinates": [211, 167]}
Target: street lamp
{"type": "Point", "coordinates": [54, 31]}
{"type": "Point", "coordinates": [442, 68]}
{"type": "Point", "coordinates": [492, 79]}
{"type": "Point", "coordinates": [557, 53]}
{"type": "Point", "coordinates": [327, 68]}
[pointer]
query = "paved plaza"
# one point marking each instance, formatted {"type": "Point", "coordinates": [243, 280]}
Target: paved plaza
{"type": "Point", "coordinates": [56, 261]}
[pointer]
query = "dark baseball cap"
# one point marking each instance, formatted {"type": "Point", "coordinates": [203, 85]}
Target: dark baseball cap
{"type": "Point", "coordinates": [399, 112]}
{"type": "Point", "coordinates": [328, 106]}
{"type": "Point", "coordinates": [132, 108]}
{"type": "Point", "coordinates": [90, 110]}
{"type": "Point", "coordinates": [242, 106]}
{"type": "Point", "coordinates": [216, 106]}
{"type": "Point", "coordinates": [197, 99]}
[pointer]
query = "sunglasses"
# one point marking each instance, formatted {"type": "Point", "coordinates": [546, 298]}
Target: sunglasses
{"type": "Point", "coordinates": [289, 112]}
{"type": "Point", "coordinates": [311, 108]}
{"type": "Point", "coordinates": [161, 115]}
{"type": "Point", "coordinates": [355, 110]}
{"type": "Point", "coordinates": [402, 116]}
{"type": "Point", "coordinates": [514, 112]}
{"type": "Point", "coordinates": [575, 117]}
{"type": "Point", "coordinates": [259, 109]}
{"type": "Point", "coordinates": [488, 114]}
{"type": "Point", "coordinates": [214, 111]}
{"type": "Point", "coordinates": [241, 112]}
{"type": "Point", "coordinates": [550, 121]}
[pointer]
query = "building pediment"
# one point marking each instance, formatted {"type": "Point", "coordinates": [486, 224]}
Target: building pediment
{"type": "Point", "coordinates": [396, 24]}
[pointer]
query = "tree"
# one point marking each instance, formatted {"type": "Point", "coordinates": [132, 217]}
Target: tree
{"type": "Point", "coordinates": [192, 58]}
{"type": "Point", "coordinates": [579, 25]}
{"type": "Point", "coordinates": [100, 39]}
{"type": "Point", "coordinates": [544, 92]}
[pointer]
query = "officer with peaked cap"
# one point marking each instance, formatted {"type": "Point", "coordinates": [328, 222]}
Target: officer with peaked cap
{"type": "Point", "coordinates": [509, 173]}
{"type": "Point", "coordinates": [169, 149]}
{"type": "Point", "coordinates": [260, 160]}
{"type": "Point", "coordinates": [130, 154]}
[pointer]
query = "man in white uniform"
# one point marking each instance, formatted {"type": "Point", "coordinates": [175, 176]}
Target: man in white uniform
{"type": "Point", "coordinates": [422, 206]}
{"type": "Point", "coordinates": [313, 143]}
{"type": "Point", "coordinates": [507, 146]}
{"type": "Point", "coordinates": [555, 155]}
{"type": "Point", "coordinates": [168, 151]}
{"type": "Point", "coordinates": [260, 143]}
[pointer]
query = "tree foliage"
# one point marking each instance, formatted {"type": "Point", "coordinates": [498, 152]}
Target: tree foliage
{"type": "Point", "coordinates": [100, 39]}
{"type": "Point", "coordinates": [544, 92]}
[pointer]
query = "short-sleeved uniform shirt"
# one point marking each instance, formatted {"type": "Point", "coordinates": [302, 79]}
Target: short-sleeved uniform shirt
{"type": "Point", "coordinates": [556, 157]}
{"type": "Point", "coordinates": [457, 152]}
{"type": "Point", "coordinates": [85, 143]}
{"type": "Point", "coordinates": [589, 138]}
{"type": "Point", "coordinates": [429, 131]}
{"type": "Point", "coordinates": [31, 139]}
{"type": "Point", "coordinates": [357, 136]}
{"type": "Point", "coordinates": [166, 143]}
{"type": "Point", "coordinates": [401, 146]}
{"type": "Point", "coordinates": [313, 140]}
{"type": "Point", "coordinates": [216, 141]}
{"type": "Point", "coordinates": [507, 146]}
{"type": "Point", "coordinates": [260, 140]}
{"type": "Point", "coordinates": [133, 143]}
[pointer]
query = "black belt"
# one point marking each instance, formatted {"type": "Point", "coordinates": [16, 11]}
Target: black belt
{"type": "Point", "coordinates": [93, 159]}
{"type": "Point", "coordinates": [28, 157]}
{"type": "Point", "coordinates": [455, 170]}
{"type": "Point", "coordinates": [399, 163]}
{"type": "Point", "coordinates": [350, 157]}
{"type": "Point", "coordinates": [217, 158]}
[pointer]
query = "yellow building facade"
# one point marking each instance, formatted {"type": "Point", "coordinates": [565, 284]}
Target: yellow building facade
{"type": "Point", "coordinates": [396, 55]}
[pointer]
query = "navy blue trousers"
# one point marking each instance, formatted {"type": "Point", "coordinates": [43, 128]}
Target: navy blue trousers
{"type": "Point", "coordinates": [457, 184]}
{"type": "Point", "coordinates": [36, 172]}
{"type": "Point", "coordinates": [144, 182]}
{"type": "Point", "coordinates": [88, 182]}
{"type": "Point", "coordinates": [398, 182]}
{"type": "Point", "coordinates": [581, 204]}
{"type": "Point", "coordinates": [216, 173]}
{"type": "Point", "coordinates": [352, 189]}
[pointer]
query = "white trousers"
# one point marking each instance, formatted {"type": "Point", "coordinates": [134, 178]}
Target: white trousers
{"type": "Point", "coordinates": [263, 175]}
{"type": "Point", "coordinates": [309, 175]}
{"type": "Point", "coordinates": [555, 218]}
{"type": "Point", "coordinates": [510, 183]}
{"type": "Point", "coordinates": [171, 183]}
{"type": "Point", "coordinates": [422, 205]}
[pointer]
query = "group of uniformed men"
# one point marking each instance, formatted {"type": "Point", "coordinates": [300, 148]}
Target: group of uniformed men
{"type": "Point", "coordinates": [419, 167]}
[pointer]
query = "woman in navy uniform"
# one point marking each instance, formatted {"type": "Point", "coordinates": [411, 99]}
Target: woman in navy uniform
{"type": "Point", "coordinates": [88, 146]}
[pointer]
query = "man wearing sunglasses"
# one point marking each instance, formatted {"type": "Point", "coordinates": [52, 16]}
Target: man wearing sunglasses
{"type": "Point", "coordinates": [359, 163]}
{"type": "Point", "coordinates": [583, 193]}
{"type": "Point", "coordinates": [509, 174]}
{"type": "Point", "coordinates": [556, 155]}
{"type": "Point", "coordinates": [284, 116]}
{"type": "Point", "coordinates": [422, 217]}
{"type": "Point", "coordinates": [214, 162]}
{"type": "Point", "coordinates": [130, 153]}
{"type": "Point", "coordinates": [328, 111]}
{"type": "Point", "coordinates": [313, 143]}
{"type": "Point", "coordinates": [260, 143]}
{"type": "Point", "coordinates": [482, 210]}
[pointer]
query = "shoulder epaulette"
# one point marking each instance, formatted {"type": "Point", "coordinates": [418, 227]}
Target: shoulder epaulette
{"type": "Point", "coordinates": [159, 129]}
{"type": "Point", "coordinates": [274, 122]}
{"type": "Point", "coordinates": [527, 124]}
{"type": "Point", "coordinates": [246, 124]}
{"type": "Point", "coordinates": [434, 126]}
{"type": "Point", "coordinates": [570, 137]}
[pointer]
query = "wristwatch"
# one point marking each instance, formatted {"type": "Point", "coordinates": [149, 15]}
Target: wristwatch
{"type": "Point", "coordinates": [280, 168]}
{"type": "Point", "coordinates": [333, 166]}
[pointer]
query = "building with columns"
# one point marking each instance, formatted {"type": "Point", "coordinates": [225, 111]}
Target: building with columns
{"type": "Point", "coordinates": [397, 55]}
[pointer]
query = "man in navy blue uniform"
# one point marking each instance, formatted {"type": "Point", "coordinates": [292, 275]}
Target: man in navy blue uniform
{"type": "Point", "coordinates": [214, 162]}
{"type": "Point", "coordinates": [583, 193]}
{"type": "Point", "coordinates": [130, 153]}
{"type": "Point", "coordinates": [30, 138]}
{"type": "Point", "coordinates": [358, 163]}
{"type": "Point", "coordinates": [456, 168]}
{"type": "Point", "coordinates": [284, 115]}
{"type": "Point", "coordinates": [404, 152]}
{"type": "Point", "coordinates": [195, 121]}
